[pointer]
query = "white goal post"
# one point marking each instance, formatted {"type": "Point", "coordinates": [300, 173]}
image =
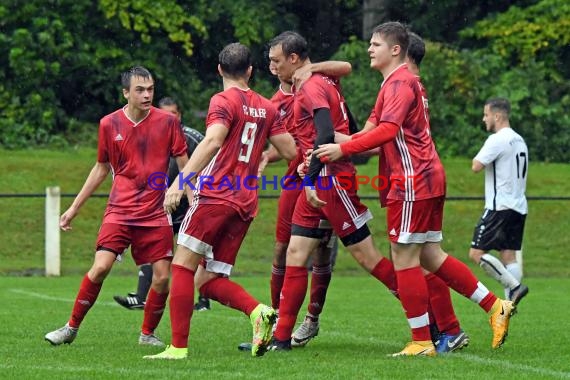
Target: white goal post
{"type": "Point", "coordinates": [52, 247]}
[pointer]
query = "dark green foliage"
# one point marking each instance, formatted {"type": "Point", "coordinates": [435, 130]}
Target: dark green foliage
{"type": "Point", "coordinates": [60, 61]}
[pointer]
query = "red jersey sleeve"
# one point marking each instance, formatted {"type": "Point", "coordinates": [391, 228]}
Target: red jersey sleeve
{"type": "Point", "coordinates": [178, 146]}
{"type": "Point", "coordinates": [218, 111]}
{"type": "Point", "coordinates": [277, 126]}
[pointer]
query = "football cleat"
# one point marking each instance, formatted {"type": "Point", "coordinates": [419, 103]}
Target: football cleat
{"type": "Point", "coordinates": [66, 334]}
{"type": "Point", "coordinates": [518, 293]}
{"type": "Point", "coordinates": [305, 332]}
{"type": "Point", "coordinates": [171, 353]}
{"type": "Point", "coordinates": [499, 318]}
{"type": "Point", "coordinates": [450, 343]}
{"type": "Point", "coordinates": [279, 345]}
{"type": "Point", "coordinates": [262, 320]}
{"type": "Point", "coordinates": [150, 340]}
{"type": "Point", "coordinates": [246, 346]}
{"type": "Point", "coordinates": [417, 348]}
{"type": "Point", "coordinates": [203, 304]}
{"type": "Point", "coordinates": [131, 302]}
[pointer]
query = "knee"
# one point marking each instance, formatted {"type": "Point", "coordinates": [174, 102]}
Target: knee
{"type": "Point", "coordinates": [475, 255]}
{"type": "Point", "coordinates": [98, 272]}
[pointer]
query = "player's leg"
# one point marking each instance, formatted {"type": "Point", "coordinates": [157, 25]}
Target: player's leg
{"type": "Point", "coordinates": [450, 336]}
{"type": "Point", "coordinates": [460, 278]}
{"type": "Point", "coordinates": [285, 209]}
{"type": "Point", "coordinates": [303, 241]}
{"type": "Point", "coordinates": [112, 239]}
{"type": "Point", "coordinates": [154, 245]}
{"type": "Point", "coordinates": [320, 279]}
{"type": "Point", "coordinates": [136, 301]}
{"type": "Point", "coordinates": [491, 233]}
{"type": "Point", "coordinates": [514, 228]}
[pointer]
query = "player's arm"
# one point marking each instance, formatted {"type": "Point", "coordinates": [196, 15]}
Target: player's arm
{"type": "Point", "coordinates": [325, 134]}
{"type": "Point", "coordinates": [334, 69]}
{"type": "Point", "coordinates": [488, 153]}
{"type": "Point", "coordinates": [215, 136]}
{"type": "Point", "coordinates": [378, 136]}
{"type": "Point", "coordinates": [284, 145]}
{"type": "Point", "coordinates": [94, 180]}
{"type": "Point", "coordinates": [476, 166]}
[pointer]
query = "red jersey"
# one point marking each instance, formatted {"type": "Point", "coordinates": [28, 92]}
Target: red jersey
{"type": "Point", "coordinates": [320, 91]}
{"type": "Point", "coordinates": [283, 101]}
{"type": "Point", "coordinates": [135, 152]}
{"type": "Point", "coordinates": [410, 160]}
{"type": "Point", "coordinates": [231, 177]}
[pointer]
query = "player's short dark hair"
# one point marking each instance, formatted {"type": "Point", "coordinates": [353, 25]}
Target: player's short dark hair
{"type": "Point", "coordinates": [416, 48]}
{"type": "Point", "coordinates": [235, 59]}
{"type": "Point", "coordinates": [135, 71]}
{"type": "Point", "coordinates": [500, 105]}
{"type": "Point", "coordinates": [395, 33]}
{"type": "Point", "coordinates": [291, 42]}
{"type": "Point", "coordinates": [168, 101]}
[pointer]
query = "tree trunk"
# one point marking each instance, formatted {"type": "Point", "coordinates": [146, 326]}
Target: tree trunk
{"type": "Point", "coordinates": [373, 13]}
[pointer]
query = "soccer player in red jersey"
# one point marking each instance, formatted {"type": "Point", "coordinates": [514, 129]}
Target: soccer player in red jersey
{"type": "Point", "coordinates": [135, 144]}
{"type": "Point", "coordinates": [238, 124]}
{"type": "Point", "coordinates": [414, 205]}
{"type": "Point", "coordinates": [292, 187]}
{"type": "Point", "coordinates": [319, 112]}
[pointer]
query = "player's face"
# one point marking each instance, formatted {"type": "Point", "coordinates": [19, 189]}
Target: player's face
{"type": "Point", "coordinates": [140, 93]}
{"type": "Point", "coordinates": [489, 118]}
{"type": "Point", "coordinates": [380, 52]}
{"type": "Point", "coordinates": [172, 108]}
{"type": "Point", "coordinates": [281, 65]}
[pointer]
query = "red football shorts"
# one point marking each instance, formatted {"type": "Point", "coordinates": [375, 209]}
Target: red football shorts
{"type": "Point", "coordinates": [343, 210]}
{"type": "Point", "coordinates": [216, 232]}
{"type": "Point", "coordinates": [148, 244]}
{"type": "Point", "coordinates": [415, 222]}
{"type": "Point", "coordinates": [291, 190]}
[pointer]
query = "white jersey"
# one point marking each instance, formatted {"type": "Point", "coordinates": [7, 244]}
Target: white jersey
{"type": "Point", "coordinates": [505, 156]}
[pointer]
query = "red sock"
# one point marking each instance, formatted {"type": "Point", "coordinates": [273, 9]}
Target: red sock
{"type": "Point", "coordinates": [276, 284]}
{"type": "Point", "coordinates": [413, 293]}
{"type": "Point", "coordinates": [181, 304]}
{"type": "Point", "coordinates": [229, 293]}
{"type": "Point", "coordinates": [384, 271]}
{"type": "Point", "coordinates": [153, 310]}
{"type": "Point", "coordinates": [441, 306]}
{"type": "Point", "coordinates": [294, 289]}
{"type": "Point", "coordinates": [320, 279]}
{"type": "Point", "coordinates": [86, 297]}
{"type": "Point", "coordinates": [459, 278]}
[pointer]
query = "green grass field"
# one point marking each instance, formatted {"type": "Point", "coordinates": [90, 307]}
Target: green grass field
{"type": "Point", "coordinates": [30, 171]}
{"type": "Point", "coordinates": [361, 324]}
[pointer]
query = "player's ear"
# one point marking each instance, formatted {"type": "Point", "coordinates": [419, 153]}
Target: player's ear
{"type": "Point", "coordinates": [126, 93]}
{"type": "Point", "coordinates": [294, 58]}
{"type": "Point", "coordinates": [220, 70]}
{"type": "Point", "coordinates": [249, 71]}
{"type": "Point", "coordinates": [396, 50]}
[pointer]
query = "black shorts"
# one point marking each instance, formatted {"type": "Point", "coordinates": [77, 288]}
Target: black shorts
{"type": "Point", "coordinates": [499, 230]}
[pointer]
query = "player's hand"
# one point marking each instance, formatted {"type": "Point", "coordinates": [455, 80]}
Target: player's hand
{"type": "Point", "coordinates": [341, 137]}
{"type": "Point", "coordinates": [312, 197]}
{"type": "Point", "coordinates": [263, 163]}
{"type": "Point", "coordinates": [172, 199]}
{"type": "Point", "coordinates": [329, 152]}
{"type": "Point", "coordinates": [66, 218]}
{"type": "Point", "coordinates": [301, 75]}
